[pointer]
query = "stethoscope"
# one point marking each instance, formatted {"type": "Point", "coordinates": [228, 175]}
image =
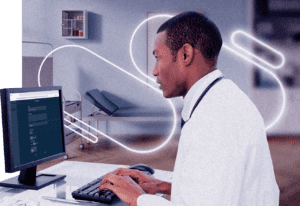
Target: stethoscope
{"type": "Point", "coordinates": [200, 98]}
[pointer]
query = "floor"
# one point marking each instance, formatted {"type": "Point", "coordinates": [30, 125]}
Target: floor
{"type": "Point", "coordinates": [285, 153]}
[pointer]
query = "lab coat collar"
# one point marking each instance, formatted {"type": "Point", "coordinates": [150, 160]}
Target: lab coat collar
{"type": "Point", "coordinates": [195, 91]}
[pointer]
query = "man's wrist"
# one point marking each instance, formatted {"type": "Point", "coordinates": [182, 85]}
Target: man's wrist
{"type": "Point", "coordinates": [164, 187]}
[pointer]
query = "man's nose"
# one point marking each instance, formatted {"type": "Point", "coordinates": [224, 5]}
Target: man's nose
{"type": "Point", "coordinates": [155, 71]}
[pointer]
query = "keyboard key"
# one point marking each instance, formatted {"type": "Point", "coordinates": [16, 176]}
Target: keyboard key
{"type": "Point", "coordinates": [95, 187]}
{"type": "Point", "coordinates": [102, 198]}
{"type": "Point", "coordinates": [108, 198]}
{"type": "Point", "coordinates": [93, 191]}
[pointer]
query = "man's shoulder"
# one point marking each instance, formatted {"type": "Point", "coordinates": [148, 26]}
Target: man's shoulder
{"type": "Point", "coordinates": [227, 104]}
{"type": "Point", "coordinates": [229, 94]}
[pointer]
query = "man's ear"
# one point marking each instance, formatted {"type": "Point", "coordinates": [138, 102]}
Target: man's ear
{"type": "Point", "coordinates": [186, 54]}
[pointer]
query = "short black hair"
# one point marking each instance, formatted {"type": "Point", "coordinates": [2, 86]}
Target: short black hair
{"type": "Point", "coordinates": [197, 30]}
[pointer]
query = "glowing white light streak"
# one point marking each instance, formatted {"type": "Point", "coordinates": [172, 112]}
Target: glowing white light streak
{"type": "Point", "coordinates": [131, 40]}
{"type": "Point", "coordinates": [94, 141]}
{"type": "Point", "coordinates": [275, 77]}
{"type": "Point", "coordinates": [253, 55]}
{"type": "Point", "coordinates": [131, 75]}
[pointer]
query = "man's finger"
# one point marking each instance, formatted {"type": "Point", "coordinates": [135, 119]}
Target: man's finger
{"type": "Point", "coordinates": [131, 174]}
{"type": "Point", "coordinates": [117, 171]}
{"type": "Point", "coordinates": [108, 178]}
{"type": "Point", "coordinates": [120, 171]}
{"type": "Point", "coordinates": [106, 186]}
{"type": "Point", "coordinates": [128, 172]}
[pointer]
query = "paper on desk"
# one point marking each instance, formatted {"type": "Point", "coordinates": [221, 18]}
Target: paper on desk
{"type": "Point", "coordinates": [12, 201]}
{"type": "Point", "coordinates": [35, 196]}
{"type": "Point", "coordinates": [29, 196]}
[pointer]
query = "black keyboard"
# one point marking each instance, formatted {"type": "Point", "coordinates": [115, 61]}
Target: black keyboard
{"type": "Point", "coordinates": [90, 191]}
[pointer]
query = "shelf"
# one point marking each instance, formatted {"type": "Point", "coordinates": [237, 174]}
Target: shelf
{"type": "Point", "coordinates": [74, 37]}
{"type": "Point", "coordinates": [72, 27]}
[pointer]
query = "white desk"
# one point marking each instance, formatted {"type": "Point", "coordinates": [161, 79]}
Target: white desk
{"type": "Point", "coordinates": [78, 174]}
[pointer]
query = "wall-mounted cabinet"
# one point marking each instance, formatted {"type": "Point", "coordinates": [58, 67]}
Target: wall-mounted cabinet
{"type": "Point", "coordinates": [74, 24]}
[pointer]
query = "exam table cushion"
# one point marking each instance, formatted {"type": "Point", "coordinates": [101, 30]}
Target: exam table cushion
{"type": "Point", "coordinates": [143, 112]}
{"type": "Point", "coordinates": [99, 100]}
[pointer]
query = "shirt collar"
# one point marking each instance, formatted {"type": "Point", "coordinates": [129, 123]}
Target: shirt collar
{"type": "Point", "coordinates": [195, 91]}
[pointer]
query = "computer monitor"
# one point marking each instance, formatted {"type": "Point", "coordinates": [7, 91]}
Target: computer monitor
{"type": "Point", "coordinates": [33, 133]}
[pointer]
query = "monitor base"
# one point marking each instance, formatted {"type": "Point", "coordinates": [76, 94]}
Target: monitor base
{"type": "Point", "coordinates": [42, 180]}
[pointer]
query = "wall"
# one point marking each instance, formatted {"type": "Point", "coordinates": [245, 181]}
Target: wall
{"type": "Point", "coordinates": [110, 28]}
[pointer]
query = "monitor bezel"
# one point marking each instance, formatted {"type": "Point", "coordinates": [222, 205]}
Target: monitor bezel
{"type": "Point", "coordinates": [7, 128]}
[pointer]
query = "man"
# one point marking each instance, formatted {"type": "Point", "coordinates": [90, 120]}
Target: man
{"type": "Point", "coordinates": [223, 156]}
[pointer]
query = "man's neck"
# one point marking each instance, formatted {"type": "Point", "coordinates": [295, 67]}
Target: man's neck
{"type": "Point", "coordinates": [193, 78]}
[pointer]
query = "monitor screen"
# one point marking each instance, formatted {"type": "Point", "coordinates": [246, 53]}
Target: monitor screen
{"type": "Point", "coordinates": [39, 134]}
{"type": "Point", "coordinates": [33, 130]}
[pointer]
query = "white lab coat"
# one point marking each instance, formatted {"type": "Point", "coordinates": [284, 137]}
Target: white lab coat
{"type": "Point", "coordinates": [223, 155]}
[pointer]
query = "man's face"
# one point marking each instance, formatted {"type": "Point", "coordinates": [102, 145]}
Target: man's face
{"type": "Point", "coordinates": [166, 69]}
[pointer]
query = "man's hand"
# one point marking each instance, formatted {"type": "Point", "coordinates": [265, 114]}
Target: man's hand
{"type": "Point", "coordinates": [123, 186]}
{"type": "Point", "coordinates": [149, 184]}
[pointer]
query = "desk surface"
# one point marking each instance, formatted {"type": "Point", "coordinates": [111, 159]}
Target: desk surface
{"type": "Point", "coordinates": [78, 174]}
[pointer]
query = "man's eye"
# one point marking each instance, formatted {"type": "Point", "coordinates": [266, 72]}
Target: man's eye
{"type": "Point", "coordinates": [156, 58]}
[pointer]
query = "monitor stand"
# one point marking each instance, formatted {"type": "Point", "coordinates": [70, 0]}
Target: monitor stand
{"type": "Point", "coordinates": [28, 179]}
